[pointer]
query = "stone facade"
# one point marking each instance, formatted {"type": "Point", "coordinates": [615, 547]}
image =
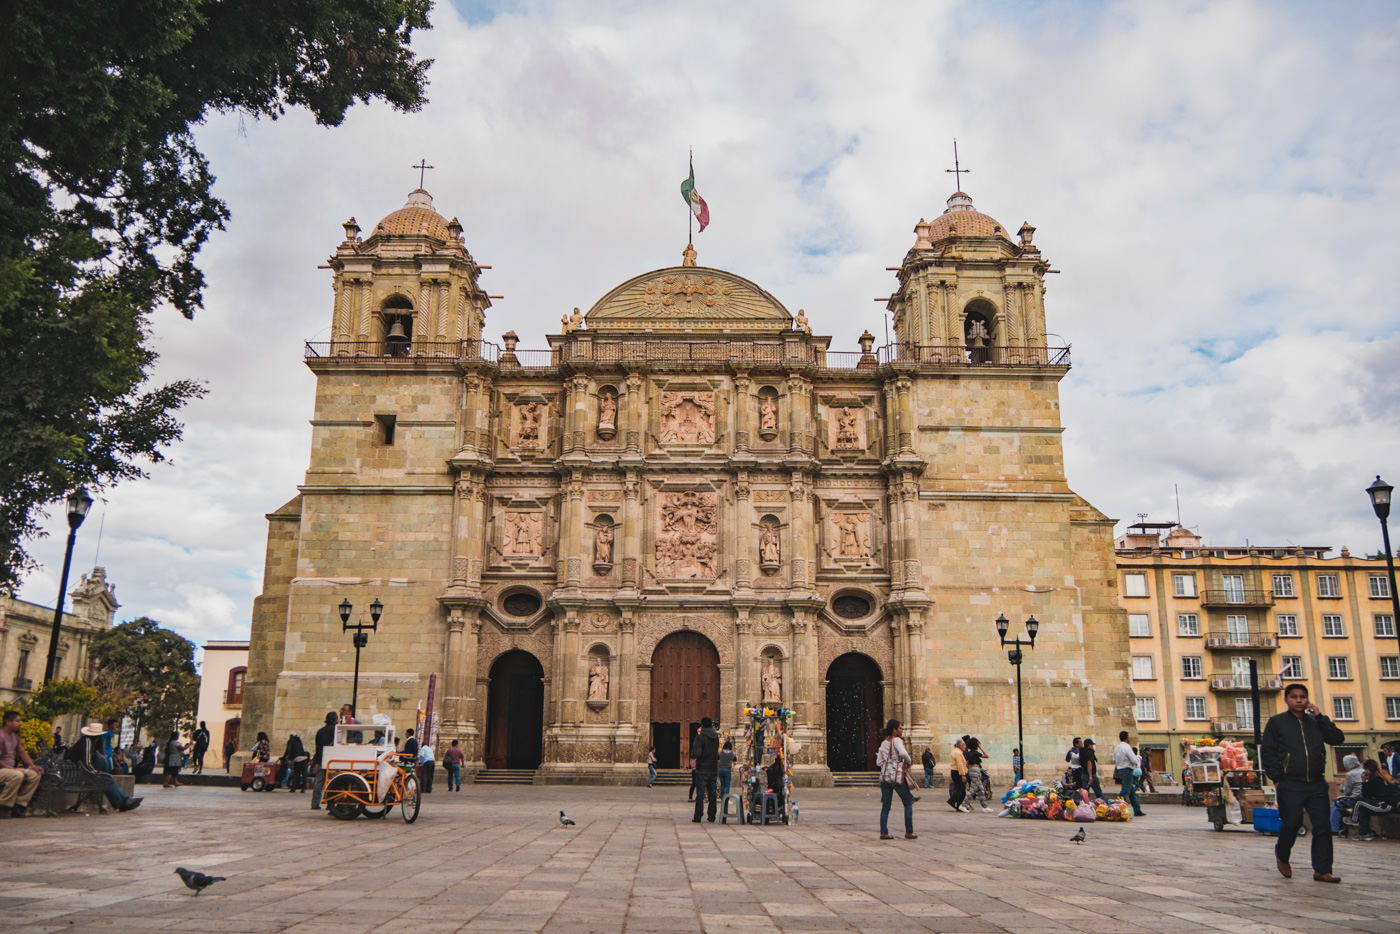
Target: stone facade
{"type": "Point", "coordinates": [688, 502]}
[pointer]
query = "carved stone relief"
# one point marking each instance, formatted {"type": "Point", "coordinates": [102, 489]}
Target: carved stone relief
{"type": "Point", "coordinates": [603, 544]}
{"type": "Point", "coordinates": [847, 428]}
{"type": "Point", "coordinates": [850, 534]}
{"type": "Point", "coordinates": [688, 417]}
{"type": "Point", "coordinates": [607, 413]}
{"type": "Point", "coordinates": [686, 540]}
{"type": "Point", "coordinates": [770, 554]}
{"type": "Point", "coordinates": [598, 680]}
{"type": "Point", "coordinates": [528, 427]}
{"type": "Point", "coordinates": [772, 678]}
{"type": "Point", "coordinates": [767, 414]}
{"type": "Point", "coordinates": [523, 533]}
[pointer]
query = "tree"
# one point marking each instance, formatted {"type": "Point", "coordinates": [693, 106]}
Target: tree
{"type": "Point", "coordinates": [105, 200]}
{"type": "Point", "coordinates": [154, 667]}
{"type": "Point", "coordinates": [59, 698]}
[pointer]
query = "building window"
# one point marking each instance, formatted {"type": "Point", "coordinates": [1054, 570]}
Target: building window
{"type": "Point", "coordinates": [1195, 708]}
{"type": "Point", "coordinates": [1380, 586]}
{"type": "Point", "coordinates": [22, 669]}
{"type": "Point", "coordinates": [235, 686]}
{"type": "Point", "coordinates": [1338, 668]}
{"type": "Point", "coordinates": [1191, 667]}
{"type": "Point", "coordinates": [1234, 588]}
{"type": "Point", "coordinates": [1390, 667]}
{"type": "Point", "coordinates": [1188, 624]}
{"type": "Point", "coordinates": [1392, 708]}
{"type": "Point", "coordinates": [384, 426]}
{"type": "Point", "coordinates": [1147, 708]}
{"type": "Point", "coordinates": [1327, 586]}
{"type": "Point", "coordinates": [1385, 626]}
{"type": "Point", "coordinates": [1142, 667]}
{"type": "Point", "coordinates": [1292, 667]}
{"type": "Point", "coordinates": [1332, 627]}
{"type": "Point", "coordinates": [1138, 625]}
{"type": "Point", "coordinates": [1184, 585]}
{"type": "Point", "coordinates": [1283, 585]}
{"type": "Point", "coordinates": [1244, 713]}
{"type": "Point", "coordinates": [1237, 629]}
{"type": "Point", "coordinates": [1239, 669]}
{"type": "Point", "coordinates": [1134, 585]}
{"type": "Point", "coordinates": [1287, 624]}
{"type": "Point", "coordinates": [1343, 709]}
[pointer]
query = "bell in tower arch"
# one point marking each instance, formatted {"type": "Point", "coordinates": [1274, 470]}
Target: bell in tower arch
{"type": "Point", "coordinates": [396, 341]}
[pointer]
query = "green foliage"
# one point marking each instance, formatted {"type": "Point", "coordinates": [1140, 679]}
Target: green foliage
{"type": "Point", "coordinates": [152, 666]}
{"type": "Point", "coordinates": [59, 698]}
{"type": "Point", "coordinates": [105, 200]}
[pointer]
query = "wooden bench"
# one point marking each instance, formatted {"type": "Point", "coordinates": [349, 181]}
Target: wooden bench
{"type": "Point", "coordinates": [63, 780]}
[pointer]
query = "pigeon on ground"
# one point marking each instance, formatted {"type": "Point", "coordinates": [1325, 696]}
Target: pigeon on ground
{"type": "Point", "coordinates": [1078, 837]}
{"type": "Point", "coordinates": [197, 880]}
{"type": "Point", "coordinates": [564, 820]}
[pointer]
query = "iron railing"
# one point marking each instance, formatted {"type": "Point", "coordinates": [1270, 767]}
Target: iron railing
{"type": "Point", "coordinates": [1237, 597]}
{"type": "Point", "coordinates": [1219, 639]}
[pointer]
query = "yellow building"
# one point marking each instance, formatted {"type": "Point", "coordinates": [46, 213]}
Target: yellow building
{"type": "Point", "coordinates": [1198, 615]}
{"type": "Point", "coordinates": [685, 504]}
{"type": "Point", "coordinates": [221, 677]}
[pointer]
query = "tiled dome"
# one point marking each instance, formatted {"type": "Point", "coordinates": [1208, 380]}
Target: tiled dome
{"type": "Point", "coordinates": [963, 220]}
{"type": "Point", "coordinates": [416, 218]}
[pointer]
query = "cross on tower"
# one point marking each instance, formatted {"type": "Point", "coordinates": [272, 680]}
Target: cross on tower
{"type": "Point", "coordinates": [423, 167]}
{"type": "Point", "coordinates": [957, 169]}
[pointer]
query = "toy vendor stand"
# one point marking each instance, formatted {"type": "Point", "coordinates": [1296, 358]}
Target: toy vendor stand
{"type": "Point", "coordinates": [765, 777]}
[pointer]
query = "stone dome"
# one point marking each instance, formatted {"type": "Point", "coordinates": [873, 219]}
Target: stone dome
{"type": "Point", "coordinates": [963, 220]}
{"type": "Point", "coordinates": [417, 218]}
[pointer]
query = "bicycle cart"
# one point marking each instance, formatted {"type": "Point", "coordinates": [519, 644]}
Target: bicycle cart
{"type": "Point", "coordinates": [368, 778]}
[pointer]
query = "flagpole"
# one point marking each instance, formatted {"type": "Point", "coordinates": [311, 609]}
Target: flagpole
{"type": "Point", "coordinates": [689, 212]}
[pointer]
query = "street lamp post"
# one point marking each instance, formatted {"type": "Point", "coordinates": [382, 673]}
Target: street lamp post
{"type": "Point", "coordinates": [361, 639]}
{"type": "Point", "coordinates": [1380, 502]}
{"type": "Point", "coordinates": [1014, 657]}
{"type": "Point", "coordinates": [79, 502]}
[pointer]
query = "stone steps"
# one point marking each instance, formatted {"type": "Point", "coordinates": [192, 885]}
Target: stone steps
{"type": "Point", "coordinates": [856, 779]}
{"type": "Point", "coordinates": [505, 777]}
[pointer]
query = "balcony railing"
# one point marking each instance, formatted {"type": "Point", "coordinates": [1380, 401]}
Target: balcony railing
{"type": "Point", "coordinates": [1237, 598]}
{"type": "Point", "coordinates": [24, 684]}
{"type": "Point", "coordinates": [1232, 683]}
{"type": "Point", "coordinates": [1224, 726]}
{"type": "Point", "coordinates": [1217, 639]}
{"type": "Point", "coordinates": [961, 354]}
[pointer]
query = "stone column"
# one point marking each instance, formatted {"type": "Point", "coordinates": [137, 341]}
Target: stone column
{"type": "Point", "coordinates": [918, 683]}
{"type": "Point", "coordinates": [626, 669]}
{"type": "Point", "coordinates": [799, 416]}
{"type": "Point", "coordinates": [912, 572]}
{"type": "Point", "coordinates": [743, 521]}
{"type": "Point", "coordinates": [630, 545]}
{"type": "Point", "coordinates": [574, 541]}
{"type": "Point", "coordinates": [894, 507]}
{"type": "Point", "coordinates": [904, 389]}
{"type": "Point", "coordinates": [344, 296]}
{"type": "Point", "coordinates": [744, 661]}
{"type": "Point", "coordinates": [635, 419]}
{"type": "Point", "coordinates": [366, 328]}
{"type": "Point", "coordinates": [454, 688]}
{"type": "Point", "coordinates": [741, 412]}
{"type": "Point", "coordinates": [573, 676]}
{"type": "Point", "coordinates": [802, 693]}
{"type": "Point", "coordinates": [444, 310]}
{"type": "Point", "coordinates": [469, 532]}
{"type": "Point", "coordinates": [804, 530]}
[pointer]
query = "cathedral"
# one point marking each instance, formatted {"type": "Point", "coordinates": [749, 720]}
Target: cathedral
{"type": "Point", "coordinates": [686, 504]}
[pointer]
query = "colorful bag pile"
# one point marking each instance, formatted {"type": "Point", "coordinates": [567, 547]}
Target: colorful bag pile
{"type": "Point", "coordinates": [1033, 799]}
{"type": "Point", "coordinates": [1234, 756]}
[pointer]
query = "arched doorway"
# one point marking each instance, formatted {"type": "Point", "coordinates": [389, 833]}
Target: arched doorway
{"type": "Point", "coordinates": [855, 705]}
{"type": "Point", "coordinates": [684, 688]}
{"type": "Point", "coordinates": [515, 712]}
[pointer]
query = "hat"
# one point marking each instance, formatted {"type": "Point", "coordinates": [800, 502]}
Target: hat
{"type": "Point", "coordinates": [95, 728]}
{"type": "Point", "coordinates": [1088, 742]}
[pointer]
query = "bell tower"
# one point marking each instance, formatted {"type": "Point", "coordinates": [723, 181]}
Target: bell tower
{"type": "Point", "coordinates": [409, 289]}
{"type": "Point", "coordinates": [968, 293]}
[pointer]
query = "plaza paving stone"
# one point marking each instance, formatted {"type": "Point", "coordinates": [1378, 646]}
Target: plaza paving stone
{"type": "Point", "coordinates": [495, 858]}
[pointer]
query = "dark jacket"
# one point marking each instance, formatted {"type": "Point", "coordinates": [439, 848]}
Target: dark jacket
{"type": "Point", "coordinates": [1293, 747]}
{"type": "Point", "coordinates": [410, 746]}
{"type": "Point", "coordinates": [705, 749]}
{"type": "Point", "coordinates": [325, 736]}
{"type": "Point", "coordinates": [928, 760]}
{"type": "Point", "coordinates": [1381, 791]}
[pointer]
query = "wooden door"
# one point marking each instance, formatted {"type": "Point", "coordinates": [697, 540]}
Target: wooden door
{"type": "Point", "coordinates": [515, 712]}
{"type": "Point", "coordinates": [854, 710]}
{"type": "Point", "coordinates": [684, 688]}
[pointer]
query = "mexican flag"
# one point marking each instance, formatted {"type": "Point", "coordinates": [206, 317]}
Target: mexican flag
{"type": "Point", "coordinates": [698, 207]}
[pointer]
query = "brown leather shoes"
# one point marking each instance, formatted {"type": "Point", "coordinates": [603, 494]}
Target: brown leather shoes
{"type": "Point", "coordinates": [911, 836]}
{"type": "Point", "coordinates": [1325, 877]}
{"type": "Point", "coordinates": [1284, 869]}
{"type": "Point", "coordinates": [885, 836]}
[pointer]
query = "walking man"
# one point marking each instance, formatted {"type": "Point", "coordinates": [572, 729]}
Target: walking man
{"type": "Point", "coordinates": [1125, 762]}
{"type": "Point", "coordinates": [929, 765]}
{"type": "Point", "coordinates": [1089, 768]}
{"type": "Point", "coordinates": [1294, 755]}
{"type": "Point", "coordinates": [453, 759]}
{"type": "Point", "coordinates": [201, 746]}
{"type": "Point", "coordinates": [957, 785]}
{"type": "Point", "coordinates": [705, 749]}
{"type": "Point", "coordinates": [1072, 757]}
{"type": "Point", "coordinates": [325, 736]}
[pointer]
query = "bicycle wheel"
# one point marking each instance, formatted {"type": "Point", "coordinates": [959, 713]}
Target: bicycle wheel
{"type": "Point", "coordinates": [408, 804]}
{"type": "Point", "coordinates": [343, 795]}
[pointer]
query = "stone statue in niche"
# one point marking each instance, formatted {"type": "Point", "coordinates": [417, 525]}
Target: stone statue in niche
{"type": "Point", "coordinates": [772, 679]}
{"type": "Point", "coordinates": [767, 414]}
{"type": "Point", "coordinates": [769, 547]}
{"type": "Point", "coordinates": [598, 680]}
{"type": "Point", "coordinates": [607, 412]}
{"type": "Point", "coordinates": [687, 539]}
{"type": "Point", "coordinates": [530, 418]}
{"type": "Point", "coordinates": [688, 417]}
{"type": "Point", "coordinates": [847, 429]}
{"type": "Point", "coordinates": [852, 534]}
{"type": "Point", "coordinates": [603, 544]}
{"type": "Point", "coordinates": [523, 533]}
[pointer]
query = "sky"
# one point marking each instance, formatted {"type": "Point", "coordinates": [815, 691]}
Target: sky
{"type": "Point", "coordinates": [1215, 182]}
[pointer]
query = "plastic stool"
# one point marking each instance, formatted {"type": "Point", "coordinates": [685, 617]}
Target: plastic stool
{"type": "Point", "coordinates": [763, 808]}
{"type": "Point", "coordinates": [738, 809]}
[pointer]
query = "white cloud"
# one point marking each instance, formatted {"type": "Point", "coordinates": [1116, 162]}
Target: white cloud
{"type": "Point", "coordinates": [1215, 180]}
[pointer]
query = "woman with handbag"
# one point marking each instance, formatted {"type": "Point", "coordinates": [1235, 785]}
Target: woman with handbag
{"type": "Point", "coordinates": [893, 761]}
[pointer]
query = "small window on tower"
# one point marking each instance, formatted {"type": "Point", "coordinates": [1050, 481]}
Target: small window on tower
{"type": "Point", "coordinates": [384, 427]}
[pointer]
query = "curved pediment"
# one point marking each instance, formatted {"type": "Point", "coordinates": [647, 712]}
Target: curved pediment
{"type": "Point", "coordinates": [690, 299]}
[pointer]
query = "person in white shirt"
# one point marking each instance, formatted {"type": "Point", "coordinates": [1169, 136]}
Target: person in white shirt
{"type": "Point", "coordinates": [1125, 761]}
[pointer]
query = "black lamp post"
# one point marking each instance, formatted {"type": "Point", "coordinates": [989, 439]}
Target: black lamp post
{"type": "Point", "coordinates": [361, 639]}
{"type": "Point", "coordinates": [78, 505]}
{"type": "Point", "coordinates": [1014, 657]}
{"type": "Point", "coordinates": [1380, 502]}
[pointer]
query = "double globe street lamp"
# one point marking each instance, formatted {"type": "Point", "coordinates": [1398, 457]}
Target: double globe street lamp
{"type": "Point", "coordinates": [361, 639]}
{"type": "Point", "coordinates": [79, 502]}
{"type": "Point", "coordinates": [1380, 502]}
{"type": "Point", "coordinates": [1014, 657]}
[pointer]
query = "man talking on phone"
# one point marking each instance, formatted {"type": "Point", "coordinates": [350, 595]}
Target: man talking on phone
{"type": "Point", "coordinates": [1293, 754]}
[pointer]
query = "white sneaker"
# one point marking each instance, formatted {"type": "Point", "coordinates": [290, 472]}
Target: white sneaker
{"type": "Point", "coordinates": [965, 809]}
{"type": "Point", "coordinates": [986, 809]}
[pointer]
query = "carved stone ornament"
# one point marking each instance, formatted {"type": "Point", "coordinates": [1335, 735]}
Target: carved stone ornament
{"type": "Point", "coordinates": [523, 534]}
{"type": "Point", "coordinates": [688, 417]}
{"type": "Point", "coordinates": [598, 680]}
{"type": "Point", "coordinates": [770, 553]}
{"type": "Point", "coordinates": [772, 678]}
{"type": "Point", "coordinates": [529, 423]}
{"type": "Point", "coordinates": [847, 429]}
{"type": "Point", "coordinates": [603, 547]}
{"type": "Point", "coordinates": [767, 416]}
{"type": "Point", "coordinates": [607, 414]}
{"type": "Point", "coordinates": [851, 534]}
{"type": "Point", "coordinates": [686, 542]}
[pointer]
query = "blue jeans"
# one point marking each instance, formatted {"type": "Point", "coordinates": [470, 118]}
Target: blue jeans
{"type": "Point", "coordinates": [651, 774]}
{"type": "Point", "coordinates": [115, 796]}
{"type": "Point", "coordinates": [886, 798]}
{"type": "Point", "coordinates": [1127, 788]}
{"type": "Point", "coordinates": [454, 777]}
{"type": "Point", "coordinates": [724, 778]}
{"type": "Point", "coordinates": [928, 778]}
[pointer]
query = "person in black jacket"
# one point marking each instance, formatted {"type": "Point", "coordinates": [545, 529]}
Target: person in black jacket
{"type": "Point", "coordinates": [325, 736]}
{"type": "Point", "coordinates": [705, 749]}
{"type": "Point", "coordinates": [1379, 795]}
{"type": "Point", "coordinates": [1294, 755]}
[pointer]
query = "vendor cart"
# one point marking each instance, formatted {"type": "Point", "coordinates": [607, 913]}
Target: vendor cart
{"type": "Point", "coordinates": [366, 775]}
